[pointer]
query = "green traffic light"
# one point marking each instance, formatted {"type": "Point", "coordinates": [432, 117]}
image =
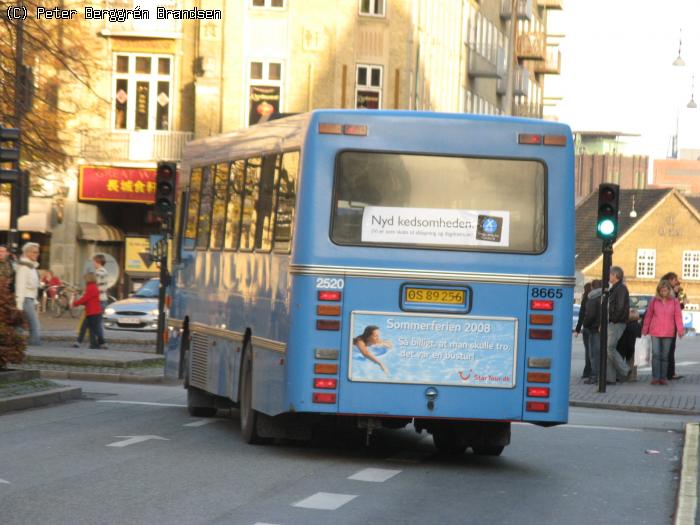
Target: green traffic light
{"type": "Point", "coordinates": [606, 228]}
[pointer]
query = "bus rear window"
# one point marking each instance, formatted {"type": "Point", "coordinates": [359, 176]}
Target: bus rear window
{"type": "Point", "coordinates": [482, 204]}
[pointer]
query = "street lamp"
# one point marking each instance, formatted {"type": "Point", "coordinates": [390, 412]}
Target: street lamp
{"type": "Point", "coordinates": [691, 105]}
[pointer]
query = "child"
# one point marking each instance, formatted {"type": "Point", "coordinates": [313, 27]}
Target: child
{"type": "Point", "coordinates": [93, 308]}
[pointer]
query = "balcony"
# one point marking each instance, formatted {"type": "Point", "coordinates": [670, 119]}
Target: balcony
{"type": "Point", "coordinates": [486, 63]}
{"type": "Point", "coordinates": [524, 9]}
{"type": "Point", "coordinates": [134, 146]}
{"type": "Point", "coordinates": [529, 110]}
{"type": "Point", "coordinates": [552, 63]}
{"type": "Point", "coordinates": [520, 84]}
{"type": "Point", "coordinates": [551, 4]}
{"type": "Point", "coordinates": [531, 46]}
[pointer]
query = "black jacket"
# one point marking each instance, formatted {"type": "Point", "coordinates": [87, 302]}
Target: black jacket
{"type": "Point", "coordinates": [591, 318]}
{"type": "Point", "coordinates": [619, 303]}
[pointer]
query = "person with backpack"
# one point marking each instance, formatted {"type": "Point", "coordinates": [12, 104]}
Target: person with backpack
{"type": "Point", "coordinates": [662, 322]}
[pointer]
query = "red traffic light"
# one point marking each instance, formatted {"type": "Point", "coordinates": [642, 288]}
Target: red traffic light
{"type": "Point", "coordinates": [606, 195]}
{"type": "Point", "coordinates": [165, 171]}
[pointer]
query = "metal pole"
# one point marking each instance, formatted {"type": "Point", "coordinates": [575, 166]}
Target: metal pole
{"type": "Point", "coordinates": [512, 61]}
{"type": "Point", "coordinates": [160, 343]}
{"type": "Point", "coordinates": [18, 112]}
{"type": "Point", "coordinates": [603, 359]}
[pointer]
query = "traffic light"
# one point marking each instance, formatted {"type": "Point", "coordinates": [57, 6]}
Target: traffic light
{"type": "Point", "coordinates": [9, 154]}
{"type": "Point", "coordinates": [608, 205]}
{"type": "Point", "coordinates": [165, 192]}
{"type": "Point", "coordinates": [20, 194]}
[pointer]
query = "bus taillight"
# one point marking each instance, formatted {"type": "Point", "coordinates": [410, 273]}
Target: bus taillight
{"type": "Point", "coordinates": [537, 391]}
{"type": "Point", "coordinates": [327, 324]}
{"type": "Point", "coordinates": [328, 295]}
{"type": "Point", "coordinates": [541, 319]}
{"type": "Point", "coordinates": [326, 383]}
{"type": "Point", "coordinates": [325, 368]}
{"type": "Point", "coordinates": [539, 377]}
{"type": "Point", "coordinates": [324, 397]}
{"type": "Point", "coordinates": [537, 406]}
{"type": "Point", "coordinates": [554, 140]}
{"type": "Point", "coordinates": [328, 309]}
{"type": "Point", "coordinates": [541, 304]}
{"type": "Point", "coordinates": [540, 333]}
{"type": "Point", "coordinates": [530, 139]}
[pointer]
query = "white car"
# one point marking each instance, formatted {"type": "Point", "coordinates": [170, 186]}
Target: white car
{"type": "Point", "coordinates": [139, 312]}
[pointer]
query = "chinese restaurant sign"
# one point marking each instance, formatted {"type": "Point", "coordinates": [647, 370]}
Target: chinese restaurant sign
{"type": "Point", "coordinates": [106, 183]}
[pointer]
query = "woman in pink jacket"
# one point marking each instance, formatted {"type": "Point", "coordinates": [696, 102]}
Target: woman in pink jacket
{"type": "Point", "coordinates": [661, 321]}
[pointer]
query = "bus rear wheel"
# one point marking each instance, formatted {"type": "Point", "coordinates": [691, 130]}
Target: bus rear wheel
{"type": "Point", "coordinates": [249, 417]}
{"type": "Point", "coordinates": [449, 441]}
{"type": "Point", "coordinates": [488, 450]}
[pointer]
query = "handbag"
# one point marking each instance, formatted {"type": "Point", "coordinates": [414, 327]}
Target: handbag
{"type": "Point", "coordinates": [642, 354]}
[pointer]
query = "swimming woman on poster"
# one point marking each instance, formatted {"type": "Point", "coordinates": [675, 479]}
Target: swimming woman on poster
{"type": "Point", "coordinates": [370, 338]}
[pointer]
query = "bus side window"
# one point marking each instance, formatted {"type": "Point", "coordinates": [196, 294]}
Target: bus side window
{"type": "Point", "coordinates": [205, 204]}
{"type": "Point", "coordinates": [286, 201]}
{"type": "Point", "coordinates": [250, 200]}
{"type": "Point", "coordinates": [193, 208]}
{"type": "Point", "coordinates": [218, 216]}
{"type": "Point", "coordinates": [265, 204]}
{"type": "Point", "coordinates": [236, 185]}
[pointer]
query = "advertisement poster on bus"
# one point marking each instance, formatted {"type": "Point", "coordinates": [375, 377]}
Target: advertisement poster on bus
{"type": "Point", "coordinates": [425, 349]}
{"type": "Point", "coordinates": [436, 226]}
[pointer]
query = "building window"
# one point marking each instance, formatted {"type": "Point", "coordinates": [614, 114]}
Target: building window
{"type": "Point", "coordinates": [142, 87]}
{"type": "Point", "coordinates": [368, 90]}
{"type": "Point", "coordinates": [691, 265]}
{"type": "Point", "coordinates": [646, 263]}
{"type": "Point", "coordinates": [270, 4]}
{"type": "Point", "coordinates": [372, 7]}
{"type": "Point", "coordinates": [265, 90]}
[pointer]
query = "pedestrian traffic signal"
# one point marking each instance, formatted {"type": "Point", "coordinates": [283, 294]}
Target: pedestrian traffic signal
{"type": "Point", "coordinates": [9, 154]}
{"type": "Point", "coordinates": [165, 191]}
{"type": "Point", "coordinates": [608, 205]}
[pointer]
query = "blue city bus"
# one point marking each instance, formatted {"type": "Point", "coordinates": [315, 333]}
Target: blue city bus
{"type": "Point", "coordinates": [377, 269]}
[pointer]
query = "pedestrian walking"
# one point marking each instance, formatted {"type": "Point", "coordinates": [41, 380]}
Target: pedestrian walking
{"type": "Point", "coordinates": [27, 288]}
{"type": "Point", "coordinates": [591, 323]}
{"type": "Point", "coordinates": [678, 293]}
{"type": "Point", "coordinates": [93, 308]}
{"type": "Point", "coordinates": [628, 340]}
{"type": "Point", "coordinates": [662, 322]}
{"type": "Point", "coordinates": [102, 275]}
{"type": "Point", "coordinates": [618, 315]}
{"type": "Point", "coordinates": [586, 334]}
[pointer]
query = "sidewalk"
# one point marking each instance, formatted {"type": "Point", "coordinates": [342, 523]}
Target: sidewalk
{"type": "Point", "coordinates": [681, 396]}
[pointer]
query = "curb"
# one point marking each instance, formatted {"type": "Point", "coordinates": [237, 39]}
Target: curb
{"type": "Point", "coordinates": [140, 342]}
{"type": "Point", "coordinates": [635, 408]}
{"type": "Point", "coordinates": [38, 399]}
{"type": "Point", "coordinates": [91, 361]}
{"type": "Point", "coordinates": [687, 502]}
{"type": "Point", "coordinates": [95, 376]}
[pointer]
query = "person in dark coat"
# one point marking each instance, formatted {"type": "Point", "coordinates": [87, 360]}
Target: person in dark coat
{"type": "Point", "coordinates": [628, 339]}
{"type": "Point", "coordinates": [586, 333]}
{"type": "Point", "coordinates": [591, 323]}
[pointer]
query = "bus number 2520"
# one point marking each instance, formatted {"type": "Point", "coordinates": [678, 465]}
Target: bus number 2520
{"type": "Point", "coordinates": [328, 283]}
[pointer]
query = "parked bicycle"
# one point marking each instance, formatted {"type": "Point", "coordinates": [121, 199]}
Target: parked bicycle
{"type": "Point", "coordinates": [62, 300]}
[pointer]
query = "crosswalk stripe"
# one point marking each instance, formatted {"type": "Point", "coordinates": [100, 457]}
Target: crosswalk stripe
{"type": "Point", "coordinates": [376, 475]}
{"type": "Point", "coordinates": [325, 501]}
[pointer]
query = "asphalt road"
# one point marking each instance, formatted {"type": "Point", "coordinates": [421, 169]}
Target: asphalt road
{"type": "Point", "coordinates": [78, 463]}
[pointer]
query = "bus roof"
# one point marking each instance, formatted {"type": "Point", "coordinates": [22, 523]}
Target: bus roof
{"type": "Point", "coordinates": [289, 132]}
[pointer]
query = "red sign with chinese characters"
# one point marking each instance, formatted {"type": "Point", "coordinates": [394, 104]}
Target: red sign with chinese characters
{"type": "Point", "coordinates": [106, 183]}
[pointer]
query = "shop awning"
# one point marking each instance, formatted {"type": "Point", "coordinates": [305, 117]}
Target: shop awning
{"type": "Point", "coordinates": [37, 220]}
{"type": "Point", "coordinates": [99, 232]}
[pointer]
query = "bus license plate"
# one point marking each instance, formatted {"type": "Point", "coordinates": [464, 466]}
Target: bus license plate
{"type": "Point", "coordinates": [434, 296]}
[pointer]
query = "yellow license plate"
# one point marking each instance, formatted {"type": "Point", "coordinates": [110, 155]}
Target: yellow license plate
{"type": "Point", "coordinates": [434, 295]}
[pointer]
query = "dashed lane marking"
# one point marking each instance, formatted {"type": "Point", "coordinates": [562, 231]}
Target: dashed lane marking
{"type": "Point", "coordinates": [200, 423]}
{"type": "Point", "coordinates": [325, 501]}
{"type": "Point", "coordinates": [148, 403]}
{"type": "Point", "coordinates": [4, 481]}
{"type": "Point", "coordinates": [376, 475]}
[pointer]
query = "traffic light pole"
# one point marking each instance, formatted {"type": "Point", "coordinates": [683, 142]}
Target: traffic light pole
{"type": "Point", "coordinates": [603, 358]}
{"type": "Point", "coordinates": [19, 111]}
{"type": "Point", "coordinates": [164, 281]}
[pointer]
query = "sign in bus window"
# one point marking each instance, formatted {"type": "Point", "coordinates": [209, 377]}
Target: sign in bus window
{"type": "Point", "coordinates": [218, 217]}
{"type": "Point", "coordinates": [205, 205]}
{"type": "Point", "coordinates": [286, 200]}
{"type": "Point", "coordinates": [250, 200]}
{"type": "Point", "coordinates": [429, 200]}
{"type": "Point", "coordinates": [233, 212]}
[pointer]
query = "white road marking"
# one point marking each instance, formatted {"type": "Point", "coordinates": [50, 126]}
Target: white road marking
{"type": "Point", "coordinates": [376, 475]}
{"type": "Point", "coordinates": [263, 523]}
{"type": "Point", "coordinates": [688, 490]}
{"type": "Point", "coordinates": [325, 501]}
{"type": "Point", "coordinates": [141, 403]}
{"type": "Point", "coordinates": [201, 422]}
{"type": "Point", "coordinates": [588, 427]}
{"type": "Point", "coordinates": [131, 440]}
{"type": "Point", "coordinates": [4, 481]}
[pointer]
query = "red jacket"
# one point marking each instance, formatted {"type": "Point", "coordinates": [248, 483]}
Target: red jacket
{"type": "Point", "coordinates": [663, 318]}
{"type": "Point", "coordinates": [91, 300]}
